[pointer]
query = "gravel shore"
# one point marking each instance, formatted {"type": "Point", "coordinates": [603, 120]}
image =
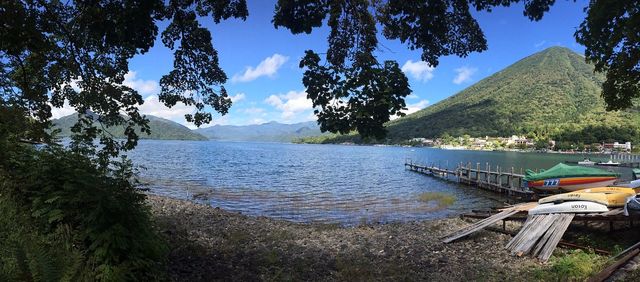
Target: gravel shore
{"type": "Point", "coordinates": [208, 243]}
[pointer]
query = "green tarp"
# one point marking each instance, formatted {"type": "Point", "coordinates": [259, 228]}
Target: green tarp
{"type": "Point", "coordinates": [562, 170]}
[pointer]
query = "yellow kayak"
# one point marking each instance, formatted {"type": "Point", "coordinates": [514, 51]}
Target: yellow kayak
{"type": "Point", "coordinates": [626, 190]}
{"type": "Point", "coordinates": [611, 199]}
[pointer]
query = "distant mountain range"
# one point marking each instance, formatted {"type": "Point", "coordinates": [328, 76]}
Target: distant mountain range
{"type": "Point", "coordinates": [269, 132]}
{"type": "Point", "coordinates": [161, 128]}
{"type": "Point", "coordinates": [165, 129]}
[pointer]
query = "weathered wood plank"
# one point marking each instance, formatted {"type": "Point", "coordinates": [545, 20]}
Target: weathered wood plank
{"type": "Point", "coordinates": [478, 226]}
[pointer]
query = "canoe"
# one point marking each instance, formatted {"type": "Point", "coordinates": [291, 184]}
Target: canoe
{"type": "Point", "coordinates": [569, 207]}
{"type": "Point", "coordinates": [607, 199]}
{"type": "Point", "coordinates": [569, 178]}
{"type": "Point", "coordinates": [613, 189]}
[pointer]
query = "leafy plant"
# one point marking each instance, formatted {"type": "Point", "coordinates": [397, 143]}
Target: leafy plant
{"type": "Point", "coordinates": [71, 206]}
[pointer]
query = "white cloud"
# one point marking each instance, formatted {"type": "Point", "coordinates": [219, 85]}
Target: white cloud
{"type": "Point", "coordinates": [290, 104]}
{"type": "Point", "coordinates": [144, 87]}
{"type": "Point", "coordinates": [253, 111]}
{"type": "Point", "coordinates": [539, 44]}
{"type": "Point", "coordinates": [413, 96]}
{"type": "Point", "coordinates": [412, 108]}
{"type": "Point", "coordinates": [61, 112]}
{"type": "Point", "coordinates": [257, 121]}
{"type": "Point", "coordinates": [421, 71]}
{"type": "Point", "coordinates": [238, 97]}
{"type": "Point", "coordinates": [153, 106]}
{"type": "Point", "coordinates": [268, 67]}
{"type": "Point", "coordinates": [464, 74]}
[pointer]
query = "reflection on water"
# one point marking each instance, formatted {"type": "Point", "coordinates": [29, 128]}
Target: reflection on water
{"type": "Point", "coordinates": [309, 183]}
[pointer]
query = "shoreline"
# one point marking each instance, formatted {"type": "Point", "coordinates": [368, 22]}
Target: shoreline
{"type": "Point", "coordinates": [208, 243]}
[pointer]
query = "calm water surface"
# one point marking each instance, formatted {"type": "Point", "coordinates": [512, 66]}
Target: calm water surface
{"type": "Point", "coordinates": [317, 183]}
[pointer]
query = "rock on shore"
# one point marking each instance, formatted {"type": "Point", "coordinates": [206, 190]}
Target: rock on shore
{"type": "Point", "coordinates": [212, 244]}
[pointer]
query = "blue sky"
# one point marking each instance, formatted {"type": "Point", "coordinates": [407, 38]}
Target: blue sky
{"type": "Point", "coordinates": [266, 84]}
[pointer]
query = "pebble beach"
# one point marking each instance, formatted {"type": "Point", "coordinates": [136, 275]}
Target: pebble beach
{"type": "Point", "coordinates": [208, 243]}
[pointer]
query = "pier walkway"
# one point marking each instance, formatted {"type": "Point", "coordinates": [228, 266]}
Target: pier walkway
{"type": "Point", "coordinates": [508, 183]}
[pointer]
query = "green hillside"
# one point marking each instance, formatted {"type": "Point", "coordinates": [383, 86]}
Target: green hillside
{"type": "Point", "coordinates": [160, 129]}
{"type": "Point", "coordinates": [267, 132]}
{"type": "Point", "coordinates": [553, 93]}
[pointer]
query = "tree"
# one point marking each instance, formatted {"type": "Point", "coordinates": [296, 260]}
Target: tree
{"type": "Point", "coordinates": [57, 52]}
{"type": "Point", "coordinates": [610, 35]}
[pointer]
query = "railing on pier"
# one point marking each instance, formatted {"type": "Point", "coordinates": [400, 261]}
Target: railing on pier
{"type": "Point", "coordinates": [504, 182]}
{"type": "Point", "coordinates": [627, 160]}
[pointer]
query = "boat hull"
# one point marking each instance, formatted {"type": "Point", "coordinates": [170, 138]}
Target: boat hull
{"type": "Point", "coordinates": [626, 190]}
{"type": "Point", "coordinates": [633, 205]}
{"type": "Point", "coordinates": [571, 183]}
{"type": "Point", "coordinates": [607, 199]}
{"type": "Point", "coordinates": [569, 207]}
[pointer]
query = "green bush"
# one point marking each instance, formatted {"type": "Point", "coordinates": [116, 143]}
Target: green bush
{"type": "Point", "coordinates": [67, 214]}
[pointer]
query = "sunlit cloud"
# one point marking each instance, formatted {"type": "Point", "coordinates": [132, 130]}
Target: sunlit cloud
{"type": "Point", "coordinates": [464, 74]}
{"type": "Point", "coordinates": [268, 67]}
{"type": "Point", "coordinates": [144, 87]}
{"type": "Point", "coordinates": [290, 104]}
{"type": "Point", "coordinates": [421, 71]}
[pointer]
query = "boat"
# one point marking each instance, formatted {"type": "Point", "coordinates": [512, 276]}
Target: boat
{"type": "Point", "coordinates": [632, 205]}
{"type": "Point", "coordinates": [610, 189]}
{"type": "Point", "coordinates": [562, 177]}
{"type": "Point", "coordinates": [609, 163]}
{"type": "Point", "coordinates": [615, 199]}
{"type": "Point", "coordinates": [586, 161]}
{"type": "Point", "coordinates": [569, 207]}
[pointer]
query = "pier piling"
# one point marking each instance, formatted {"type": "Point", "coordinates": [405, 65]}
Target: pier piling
{"type": "Point", "coordinates": [475, 177]}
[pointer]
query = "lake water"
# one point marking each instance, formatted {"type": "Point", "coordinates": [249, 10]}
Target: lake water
{"type": "Point", "coordinates": [318, 183]}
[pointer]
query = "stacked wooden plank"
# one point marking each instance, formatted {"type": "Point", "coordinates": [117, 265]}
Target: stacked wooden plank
{"type": "Point", "coordinates": [479, 225]}
{"type": "Point", "coordinates": [540, 235]}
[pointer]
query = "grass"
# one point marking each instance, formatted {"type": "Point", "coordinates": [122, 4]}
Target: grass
{"type": "Point", "coordinates": [442, 200]}
{"type": "Point", "coordinates": [574, 265]}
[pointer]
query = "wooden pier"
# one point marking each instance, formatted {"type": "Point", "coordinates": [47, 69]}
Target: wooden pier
{"type": "Point", "coordinates": [627, 160]}
{"type": "Point", "coordinates": [504, 182]}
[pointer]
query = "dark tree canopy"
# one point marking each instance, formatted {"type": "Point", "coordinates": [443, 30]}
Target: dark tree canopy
{"type": "Point", "coordinates": [611, 35]}
{"type": "Point", "coordinates": [47, 46]}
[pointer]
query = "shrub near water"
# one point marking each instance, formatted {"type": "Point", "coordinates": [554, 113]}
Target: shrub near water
{"type": "Point", "coordinates": [68, 214]}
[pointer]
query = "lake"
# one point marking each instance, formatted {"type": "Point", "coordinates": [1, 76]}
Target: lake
{"type": "Point", "coordinates": [319, 183]}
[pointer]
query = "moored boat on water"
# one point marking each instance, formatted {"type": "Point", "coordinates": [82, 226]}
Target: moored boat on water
{"type": "Point", "coordinates": [569, 178]}
{"type": "Point", "coordinates": [609, 163]}
{"type": "Point", "coordinates": [586, 161]}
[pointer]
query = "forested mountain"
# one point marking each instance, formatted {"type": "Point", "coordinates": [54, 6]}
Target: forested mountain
{"type": "Point", "coordinates": [553, 94]}
{"type": "Point", "coordinates": [270, 131]}
{"type": "Point", "coordinates": [160, 129]}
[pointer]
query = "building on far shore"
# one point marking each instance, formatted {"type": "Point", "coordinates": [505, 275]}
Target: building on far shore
{"type": "Point", "coordinates": [615, 146]}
